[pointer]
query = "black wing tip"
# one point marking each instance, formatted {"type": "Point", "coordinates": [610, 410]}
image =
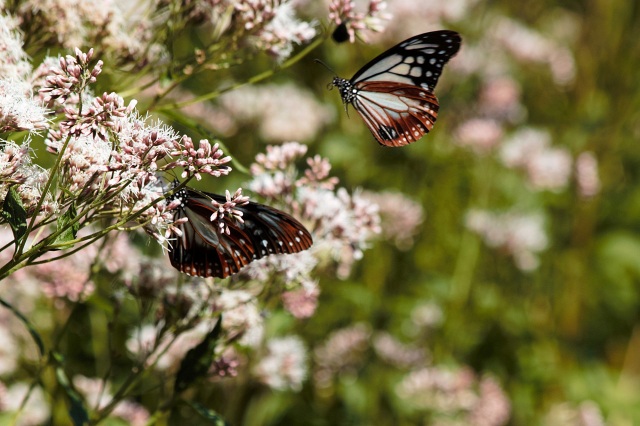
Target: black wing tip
{"type": "Point", "coordinates": [454, 37]}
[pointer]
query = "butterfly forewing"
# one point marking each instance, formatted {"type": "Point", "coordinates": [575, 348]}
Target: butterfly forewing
{"type": "Point", "coordinates": [417, 60]}
{"type": "Point", "coordinates": [205, 250]}
{"type": "Point", "coordinates": [394, 92]}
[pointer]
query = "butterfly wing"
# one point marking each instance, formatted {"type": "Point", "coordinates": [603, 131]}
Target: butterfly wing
{"type": "Point", "coordinates": [205, 250]}
{"type": "Point", "coordinates": [397, 114]}
{"type": "Point", "coordinates": [394, 92]}
{"type": "Point", "coordinates": [417, 61]}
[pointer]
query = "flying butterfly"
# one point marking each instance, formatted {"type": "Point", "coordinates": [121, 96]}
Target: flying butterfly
{"type": "Point", "coordinates": [394, 92]}
{"type": "Point", "coordinates": [205, 250]}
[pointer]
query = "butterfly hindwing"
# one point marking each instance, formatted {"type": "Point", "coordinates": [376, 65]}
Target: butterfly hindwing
{"type": "Point", "coordinates": [205, 250]}
{"type": "Point", "coordinates": [396, 114]}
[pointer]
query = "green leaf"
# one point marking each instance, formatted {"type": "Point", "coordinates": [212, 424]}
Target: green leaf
{"type": "Point", "coordinates": [77, 410]}
{"type": "Point", "coordinates": [34, 334]}
{"type": "Point", "coordinates": [14, 213]}
{"type": "Point", "coordinates": [213, 418]}
{"type": "Point", "coordinates": [69, 231]}
{"type": "Point", "coordinates": [196, 362]}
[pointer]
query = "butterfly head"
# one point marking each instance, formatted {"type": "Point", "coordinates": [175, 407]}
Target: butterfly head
{"type": "Point", "coordinates": [347, 91]}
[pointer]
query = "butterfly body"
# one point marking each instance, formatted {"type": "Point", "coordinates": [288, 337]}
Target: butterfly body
{"type": "Point", "coordinates": [205, 249]}
{"type": "Point", "coordinates": [394, 92]}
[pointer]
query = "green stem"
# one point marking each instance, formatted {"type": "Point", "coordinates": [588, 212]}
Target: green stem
{"type": "Point", "coordinates": [52, 175]}
{"type": "Point", "coordinates": [255, 79]}
{"type": "Point", "coordinates": [46, 244]}
{"type": "Point", "coordinates": [470, 246]}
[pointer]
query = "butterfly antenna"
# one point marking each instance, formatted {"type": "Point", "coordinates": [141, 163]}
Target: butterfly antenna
{"type": "Point", "coordinates": [325, 65]}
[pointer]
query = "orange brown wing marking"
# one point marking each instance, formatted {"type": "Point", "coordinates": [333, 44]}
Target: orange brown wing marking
{"type": "Point", "coordinates": [397, 114]}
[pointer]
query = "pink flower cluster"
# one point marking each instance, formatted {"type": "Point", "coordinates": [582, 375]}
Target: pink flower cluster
{"type": "Point", "coordinates": [123, 30]}
{"type": "Point", "coordinates": [267, 25]}
{"type": "Point", "coordinates": [16, 167]}
{"type": "Point", "coordinates": [228, 209]}
{"type": "Point", "coordinates": [456, 394]}
{"type": "Point", "coordinates": [519, 235]}
{"type": "Point", "coordinates": [281, 112]}
{"type": "Point", "coordinates": [206, 159]}
{"type": "Point", "coordinates": [547, 167]}
{"type": "Point", "coordinates": [342, 223]}
{"type": "Point", "coordinates": [72, 76]}
{"type": "Point", "coordinates": [283, 367]}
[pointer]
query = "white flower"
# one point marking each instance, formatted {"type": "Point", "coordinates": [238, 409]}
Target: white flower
{"type": "Point", "coordinates": [550, 169]}
{"type": "Point", "coordinates": [587, 174]}
{"type": "Point", "coordinates": [36, 410]}
{"type": "Point", "coordinates": [8, 351]}
{"type": "Point", "coordinates": [285, 365]}
{"type": "Point", "coordinates": [520, 235]}
{"type": "Point", "coordinates": [19, 111]}
{"type": "Point", "coordinates": [14, 63]}
{"type": "Point", "coordinates": [547, 168]}
{"type": "Point", "coordinates": [241, 316]}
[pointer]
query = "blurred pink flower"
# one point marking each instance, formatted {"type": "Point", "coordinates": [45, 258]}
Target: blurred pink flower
{"type": "Point", "coordinates": [400, 217]}
{"type": "Point", "coordinates": [587, 175]}
{"type": "Point", "coordinates": [396, 353]}
{"type": "Point", "coordinates": [341, 353]}
{"type": "Point", "coordinates": [9, 349]}
{"type": "Point", "coordinates": [458, 394]}
{"type": "Point", "coordinates": [493, 407]}
{"type": "Point", "coordinates": [14, 61]}
{"type": "Point", "coordinates": [427, 315]}
{"type": "Point", "coordinates": [226, 365]}
{"type": "Point", "coordinates": [284, 366]}
{"type": "Point", "coordinates": [550, 169]}
{"type": "Point", "coordinates": [282, 112]}
{"type": "Point", "coordinates": [35, 410]}
{"type": "Point", "coordinates": [547, 168]}
{"type": "Point", "coordinates": [131, 412]}
{"type": "Point", "coordinates": [302, 302]}
{"type": "Point", "coordinates": [519, 235]}
{"type": "Point", "coordinates": [126, 34]}
{"type": "Point", "coordinates": [242, 319]}
{"type": "Point", "coordinates": [67, 278]}
{"type": "Point", "coordinates": [587, 413]}
{"type": "Point", "coordinates": [500, 99]}
{"type": "Point", "coordinates": [446, 391]}
{"type": "Point", "coordinates": [528, 45]}
{"type": "Point", "coordinates": [410, 16]}
{"type": "Point", "coordinates": [479, 134]}
{"type": "Point", "coordinates": [98, 394]}
{"type": "Point", "coordinates": [343, 12]}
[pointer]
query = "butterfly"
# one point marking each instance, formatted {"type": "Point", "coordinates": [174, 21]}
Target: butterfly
{"type": "Point", "coordinates": [206, 250]}
{"type": "Point", "coordinates": [393, 93]}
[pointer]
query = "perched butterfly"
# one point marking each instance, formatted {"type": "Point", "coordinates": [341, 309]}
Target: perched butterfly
{"type": "Point", "coordinates": [205, 250]}
{"type": "Point", "coordinates": [394, 92]}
